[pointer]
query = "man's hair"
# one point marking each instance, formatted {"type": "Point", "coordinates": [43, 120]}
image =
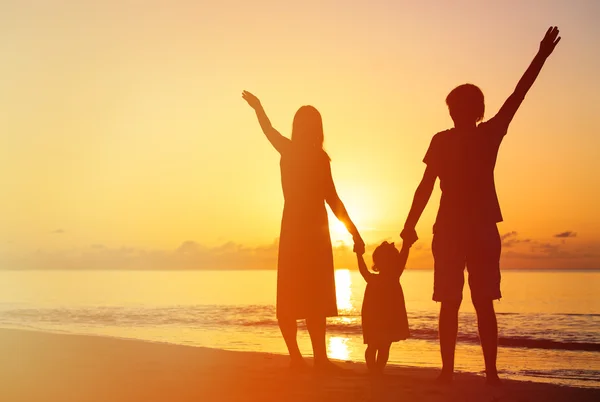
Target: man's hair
{"type": "Point", "coordinates": [466, 103]}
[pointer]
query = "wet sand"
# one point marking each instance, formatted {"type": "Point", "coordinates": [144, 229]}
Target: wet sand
{"type": "Point", "coordinates": [36, 366]}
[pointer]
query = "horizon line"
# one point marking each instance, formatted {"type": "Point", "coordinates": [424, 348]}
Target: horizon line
{"type": "Point", "coordinates": [262, 269]}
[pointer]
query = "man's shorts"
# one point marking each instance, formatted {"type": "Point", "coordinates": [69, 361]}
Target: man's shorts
{"type": "Point", "coordinates": [478, 248]}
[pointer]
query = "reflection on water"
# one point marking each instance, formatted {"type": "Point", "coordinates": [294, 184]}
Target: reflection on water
{"type": "Point", "coordinates": [343, 289]}
{"type": "Point", "coordinates": [337, 348]}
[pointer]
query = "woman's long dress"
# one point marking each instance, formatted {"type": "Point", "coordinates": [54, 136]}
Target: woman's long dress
{"type": "Point", "coordinates": [305, 274]}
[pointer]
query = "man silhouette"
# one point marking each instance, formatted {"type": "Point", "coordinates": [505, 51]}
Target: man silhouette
{"type": "Point", "coordinates": [465, 231]}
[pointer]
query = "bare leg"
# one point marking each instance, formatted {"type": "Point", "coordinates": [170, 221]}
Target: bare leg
{"type": "Point", "coordinates": [289, 329]}
{"type": "Point", "coordinates": [316, 330]}
{"type": "Point", "coordinates": [448, 328]}
{"type": "Point", "coordinates": [383, 354]}
{"type": "Point", "coordinates": [370, 358]}
{"type": "Point", "coordinates": [488, 334]}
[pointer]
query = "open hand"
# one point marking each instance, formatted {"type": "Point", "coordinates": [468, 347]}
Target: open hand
{"type": "Point", "coordinates": [549, 42]}
{"type": "Point", "coordinates": [409, 235]}
{"type": "Point", "coordinates": [251, 99]}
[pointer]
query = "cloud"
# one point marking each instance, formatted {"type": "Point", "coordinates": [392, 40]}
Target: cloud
{"type": "Point", "coordinates": [508, 235]}
{"type": "Point", "coordinates": [59, 231]}
{"type": "Point", "coordinates": [188, 255]}
{"type": "Point", "coordinates": [566, 234]}
{"type": "Point", "coordinates": [555, 252]}
{"type": "Point", "coordinates": [511, 238]}
{"type": "Point", "coordinates": [191, 255]}
{"type": "Point", "coordinates": [546, 248]}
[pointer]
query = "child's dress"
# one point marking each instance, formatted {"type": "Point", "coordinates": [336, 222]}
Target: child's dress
{"type": "Point", "coordinates": [384, 318]}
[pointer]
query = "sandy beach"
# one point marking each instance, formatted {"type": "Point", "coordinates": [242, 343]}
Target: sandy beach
{"type": "Point", "coordinates": [38, 366]}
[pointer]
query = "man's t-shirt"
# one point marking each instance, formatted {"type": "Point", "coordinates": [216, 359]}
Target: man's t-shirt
{"type": "Point", "coordinates": [464, 160]}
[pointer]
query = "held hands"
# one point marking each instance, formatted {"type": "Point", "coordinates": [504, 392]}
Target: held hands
{"type": "Point", "coordinates": [359, 245]}
{"type": "Point", "coordinates": [549, 42]}
{"type": "Point", "coordinates": [252, 100]}
{"type": "Point", "coordinates": [409, 235]}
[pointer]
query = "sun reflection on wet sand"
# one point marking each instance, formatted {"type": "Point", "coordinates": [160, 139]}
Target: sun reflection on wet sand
{"type": "Point", "coordinates": [337, 348]}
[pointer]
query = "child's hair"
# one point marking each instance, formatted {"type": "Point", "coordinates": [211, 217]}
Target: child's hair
{"type": "Point", "coordinates": [466, 103]}
{"type": "Point", "coordinates": [384, 256]}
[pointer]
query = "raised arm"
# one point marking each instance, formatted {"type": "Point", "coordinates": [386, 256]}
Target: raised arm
{"type": "Point", "coordinates": [275, 138]}
{"type": "Point", "coordinates": [362, 267]}
{"type": "Point", "coordinates": [403, 257]}
{"type": "Point", "coordinates": [510, 106]}
{"type": "Point", "coordinates": [422, 195]}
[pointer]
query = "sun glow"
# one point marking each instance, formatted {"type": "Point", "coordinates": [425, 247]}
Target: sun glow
{"type": "Point", "coordinates": [339, 233]}
{"type": "Point", "coordinates": [338, 348]}
{"type": "Point", "coordinates": [343, 289]}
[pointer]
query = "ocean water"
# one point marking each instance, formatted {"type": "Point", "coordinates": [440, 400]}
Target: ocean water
{"type": "Point", "coordinates": [549, 321]}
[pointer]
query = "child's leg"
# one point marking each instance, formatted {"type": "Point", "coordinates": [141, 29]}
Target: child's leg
{"type": "Point", "coordinates": [370, 357]}
{"type": "Point", "coordinates": [383, 354]}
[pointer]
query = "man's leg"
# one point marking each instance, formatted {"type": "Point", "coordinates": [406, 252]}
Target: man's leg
{"type": "Point", "coordinates": [448, 329]}
{"type": "Point", "coordinates": [448, 282]}
{"type": "Point", "coordinates": [488, 334]}
{"type": "Point", "coordinates": [483, 264]}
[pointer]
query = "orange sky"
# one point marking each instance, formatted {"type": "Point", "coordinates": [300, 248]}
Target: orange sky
{"type": "Point", "coordinates": [124, 134]}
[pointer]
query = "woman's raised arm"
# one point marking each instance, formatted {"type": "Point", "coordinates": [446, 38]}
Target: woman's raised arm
{"type": "Point", "coordinates": [278, 141]}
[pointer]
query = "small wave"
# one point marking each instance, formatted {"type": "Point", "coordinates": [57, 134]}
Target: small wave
{"type": "Point", "coordinates": [355, 328]}
{"type": "Point", "coordinates": [581, 315]}
{"type": "Point", "coordinates": [555, 315]}
{"type": "Point", "coordinates": [261, 316]}
{"type": "Point", "coordinates": [580, 375]}
{"type": "Point", "coordinates": [523, 342]}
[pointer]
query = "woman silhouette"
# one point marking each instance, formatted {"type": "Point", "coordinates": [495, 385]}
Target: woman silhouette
{"type": "Point", "coordinates": [305, 274]}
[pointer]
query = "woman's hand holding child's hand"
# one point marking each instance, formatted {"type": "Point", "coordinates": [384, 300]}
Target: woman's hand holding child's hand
{"type": "Point", "coordinates": [359, 246]}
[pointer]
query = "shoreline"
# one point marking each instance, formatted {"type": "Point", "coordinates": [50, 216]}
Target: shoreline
{"type": "Point", "coordinates": [45, 366]}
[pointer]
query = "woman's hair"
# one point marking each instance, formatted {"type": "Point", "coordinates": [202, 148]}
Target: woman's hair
{"type": "Point", "coordinates": [307, 129]}
{"type": "Point", "coordinates": [466, 103]}
{"type": "Point", "coordinates": [383, 256]}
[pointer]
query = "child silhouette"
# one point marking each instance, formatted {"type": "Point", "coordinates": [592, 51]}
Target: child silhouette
{"type": "Point", "coordinates": [384, 318]}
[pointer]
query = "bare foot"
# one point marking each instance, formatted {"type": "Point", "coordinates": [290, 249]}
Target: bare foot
{"type": "Point", "coordinates": [328, 367]}
{"type": "Point", "coordinates": [374, 373]}
{"type": "Point", "coordinates": [298, 365]}
{"type": "Point", "coordinates": [493, 380]}
{"type": "Point", "coordinates": [445, 378]}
